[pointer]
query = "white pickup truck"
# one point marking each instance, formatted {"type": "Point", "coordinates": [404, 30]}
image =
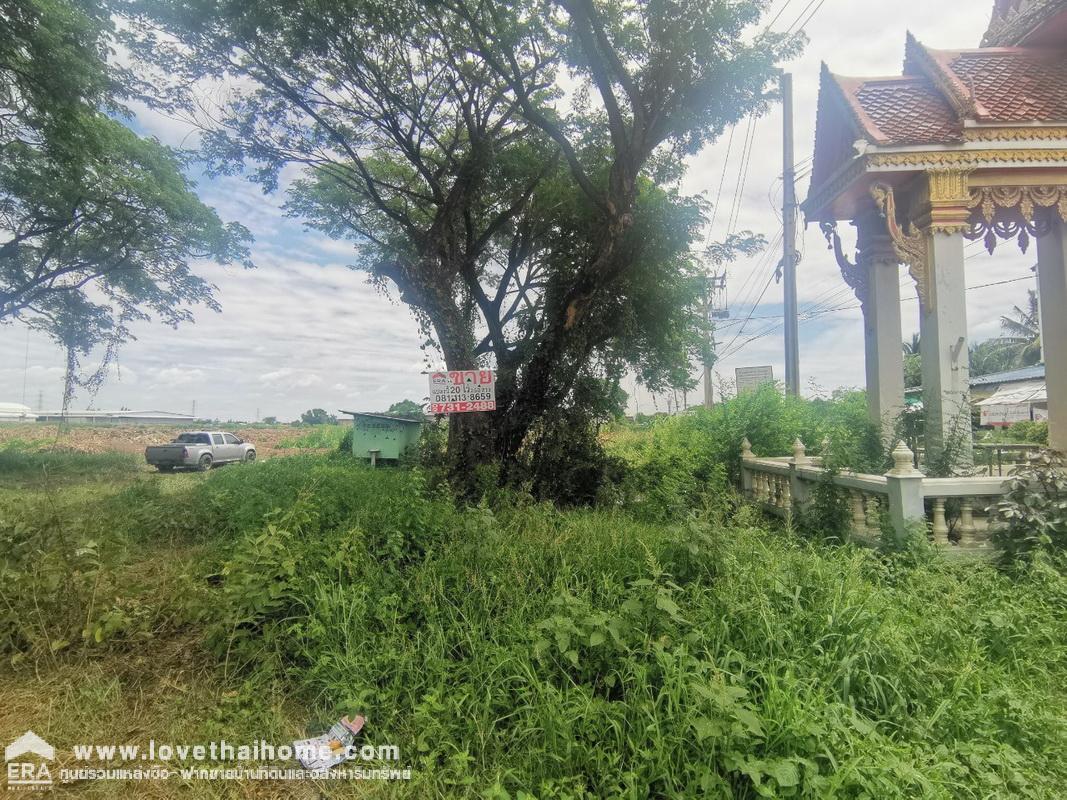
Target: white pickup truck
{"type": "Point", "coordinates": [199, 450]}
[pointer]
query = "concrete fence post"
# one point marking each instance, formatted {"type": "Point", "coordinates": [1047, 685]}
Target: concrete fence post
{"type": "Point", "coordinates": [746, 474]}
{"type": "Point", "coordinates": [904, 485]}
{"type": "Point", "coordinates": [797, 487]}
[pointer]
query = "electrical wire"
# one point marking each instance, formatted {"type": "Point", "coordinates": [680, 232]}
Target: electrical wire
{"type": "Point", "coordinates": [722, 180]}
{"type": "Point", "coordinates": [814, 315]}
{"type": "Point", "coordinates": [742, 175]}
{"type": "Point", "coordinates": [779, 14]}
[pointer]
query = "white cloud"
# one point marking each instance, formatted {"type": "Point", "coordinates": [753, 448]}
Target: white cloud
{"type": "Point", "coordinates": [178, 376]}
{"type": "Point", "coordinates": [303, 324]}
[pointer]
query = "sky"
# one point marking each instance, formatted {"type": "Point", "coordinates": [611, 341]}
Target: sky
{"type": "Point", "coordinates": [303, 330]}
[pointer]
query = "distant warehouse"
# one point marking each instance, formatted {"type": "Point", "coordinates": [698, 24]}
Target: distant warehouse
{"type": "Point", "coordinates": [116, 417]}
{"type": "Point", "coordinates": [15, 412]}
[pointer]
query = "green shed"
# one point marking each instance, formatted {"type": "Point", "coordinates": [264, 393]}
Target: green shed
{"type": "Point", "coordinates": [378, 436]}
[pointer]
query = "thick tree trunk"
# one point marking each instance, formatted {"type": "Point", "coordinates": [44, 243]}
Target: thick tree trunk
{"type": "Point", "coordinates": [472, 436]}
{"type": "Point", "coordinates": [564, 351]}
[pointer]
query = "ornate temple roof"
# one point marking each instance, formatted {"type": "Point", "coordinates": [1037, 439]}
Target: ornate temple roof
{"type": "Point", "coordinates": [1032, 22]}
{"type": "Point", "coordinates": [943, 99]}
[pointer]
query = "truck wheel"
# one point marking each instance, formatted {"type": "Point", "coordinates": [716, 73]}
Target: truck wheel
{"type": "Point", "coordinates": [250, 456]}
{"type": "Point", "coordinates": [204, 464]}
{"type": "Point", "coordinates": [165, 468]}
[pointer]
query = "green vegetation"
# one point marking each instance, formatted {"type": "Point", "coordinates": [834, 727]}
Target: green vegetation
{"type": "Point", "coordinates": [327, 436]}
{"type": "Point", "coordinates": [26, 464]}
{"type": "Point", "coordinates": [98, 225]}
{"type": "Point", "coordinates": [512, 649]}
{"type": "Point", "coordinates": [683, 461]}
{"type": "Point", "coordinates": [318, 416]}
{"type": "Point", "coordinates": [1019, 433]}
{"type": "Point", "coordinates": [577, 259]}
{"type": "Point", "coordinates": [1034, 510]}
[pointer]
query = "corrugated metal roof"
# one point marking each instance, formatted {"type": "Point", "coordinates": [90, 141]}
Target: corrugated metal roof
{"type": "Point", "coordinates": [1036, 372]}
{"type": "Point", "coordinates": [1013, 394]}
{"type": "Point", "coordinates": [382, 416]}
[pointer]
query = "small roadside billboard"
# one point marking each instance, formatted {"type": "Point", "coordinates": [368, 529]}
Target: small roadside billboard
{"type": "Point", "coordinates": [749, 379]}
{"type": "Point", "coordinates": [462, 391]}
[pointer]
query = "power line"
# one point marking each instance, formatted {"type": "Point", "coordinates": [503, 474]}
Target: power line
{"type": "Point", "coordinates": [809, 18]}
{"type": "Point", "coordinates": [809, 316]}
{"type": "Point", "coordinates": [722, 180]}
{"type": "Point", "coordinates": [779, 14]}
{"type": "Point", "coordinates": [749, 317]}
{"type": "Point", "coordinates": [742, 175]}
{"type": "Point", "coordinates": [751, 280]}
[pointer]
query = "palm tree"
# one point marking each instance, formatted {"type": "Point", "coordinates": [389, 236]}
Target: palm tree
{"type": "Point", "coordinates": [988, 357]}
{"type": "Point", "coordinates": [912, 348]}
{"type": "Point", "coordinates": [1022, 333]}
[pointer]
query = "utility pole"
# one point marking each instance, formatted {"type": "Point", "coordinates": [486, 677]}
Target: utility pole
{"type": "Point", "coordinates": [709, 349]}
{"type": "Point", "coordinates": [789, 235]}
{"type": "Point", "coordinates": [194, 410]}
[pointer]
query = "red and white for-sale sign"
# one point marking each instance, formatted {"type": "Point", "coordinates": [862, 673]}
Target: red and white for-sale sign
{"type": "Point", "coordinates": [459, 391]}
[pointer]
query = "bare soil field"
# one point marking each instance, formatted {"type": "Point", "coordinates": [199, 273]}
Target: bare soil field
{"type": "Point", "coordinates": [135, 438]}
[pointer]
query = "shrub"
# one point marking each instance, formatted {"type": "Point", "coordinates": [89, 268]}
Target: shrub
{"type": "Point", "coordinates": [67, 580]}
{"type": "Point", "coordinates": [525, 650]}
{"type": "Point", "coordinates": [1031, 517]}
{"type": "Point", "coordinates": [1029, 432]}
{"type": "Point", "coordinates": [687, 459]}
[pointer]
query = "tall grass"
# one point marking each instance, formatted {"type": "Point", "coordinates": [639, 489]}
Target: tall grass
{"type": "Point", "coordinates": [520, 649]}
{"type": "Point", "coordinates": [27, 463]}
{"type": "Point", "coordinates": [317, 436]}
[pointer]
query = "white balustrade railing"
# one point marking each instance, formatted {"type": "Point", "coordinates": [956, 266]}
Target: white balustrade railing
{"type": "Point", "coordinates": [955, 511]}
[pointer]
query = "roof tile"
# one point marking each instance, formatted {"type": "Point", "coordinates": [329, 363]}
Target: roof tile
{"type": "Point", "coordinates": [1015, 85]}
{"type": "Point", "coordinates": [907, 110]}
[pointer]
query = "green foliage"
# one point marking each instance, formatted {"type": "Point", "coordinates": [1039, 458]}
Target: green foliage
{"type": "Point", "coordinates": [37, 463]}
{"type": "Point", "coordinates": [543, 649]}
{"type": "Point", "coordinates": [329, 435]}
{"type": "Point", "coordinates": [1029, 433]}
{"type": "Point", "coordinates": [67, 581]}
{"type": "Point", "coordinates": [574, 257]}
{"type": "Point", "coordinates": [99, 224]}
{"type": "Point", "coordinates": [1031, 517]}
{"type": "Point", "coordinates": [913, 370]}
{"type": "Point", "coordinates": [688, 457]}
{"type": "Point", "coordinates": [826, 516]}
{"type": "Point", "coordinates": [406, 408]}
{"type": "Point", "coordinates": [318, 416]}
{"type": "Point", "coordinates": [564, 461]}
{"type": "Point", "coordinates": [1022, 333]}
{"type": "Point", "coordinates": [526, 651]}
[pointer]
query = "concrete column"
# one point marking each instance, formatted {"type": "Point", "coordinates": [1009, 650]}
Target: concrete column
{"type": "Point", "coordinates": [886, 374]}
{"type": "Point", "coordinates": [875, 279]}
{"type": "Point", "coordinates": [1052, 283]}
{"type": "Point", "coordinates": [945, 360]}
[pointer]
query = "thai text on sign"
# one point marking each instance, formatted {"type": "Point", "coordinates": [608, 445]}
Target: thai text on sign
{"type": "Point", "coordinates": [459, 391]}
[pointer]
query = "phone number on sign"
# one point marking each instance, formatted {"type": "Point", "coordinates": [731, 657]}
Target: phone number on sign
{"type": "Point", "coordinates": [449, 408]}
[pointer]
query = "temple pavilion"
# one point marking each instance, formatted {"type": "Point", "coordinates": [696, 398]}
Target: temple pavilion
{"type": "Point", "coordinates": [962, 145]}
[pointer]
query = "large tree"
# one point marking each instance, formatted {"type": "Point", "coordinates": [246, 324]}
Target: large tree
{"type": "Point", "coordinates": [508, 167]}
{"type": "Point", "coordinates": [97, 224]}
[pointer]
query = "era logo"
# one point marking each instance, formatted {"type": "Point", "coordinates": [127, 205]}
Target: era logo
{"type": "Point", "coordinates": [28, 774]}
